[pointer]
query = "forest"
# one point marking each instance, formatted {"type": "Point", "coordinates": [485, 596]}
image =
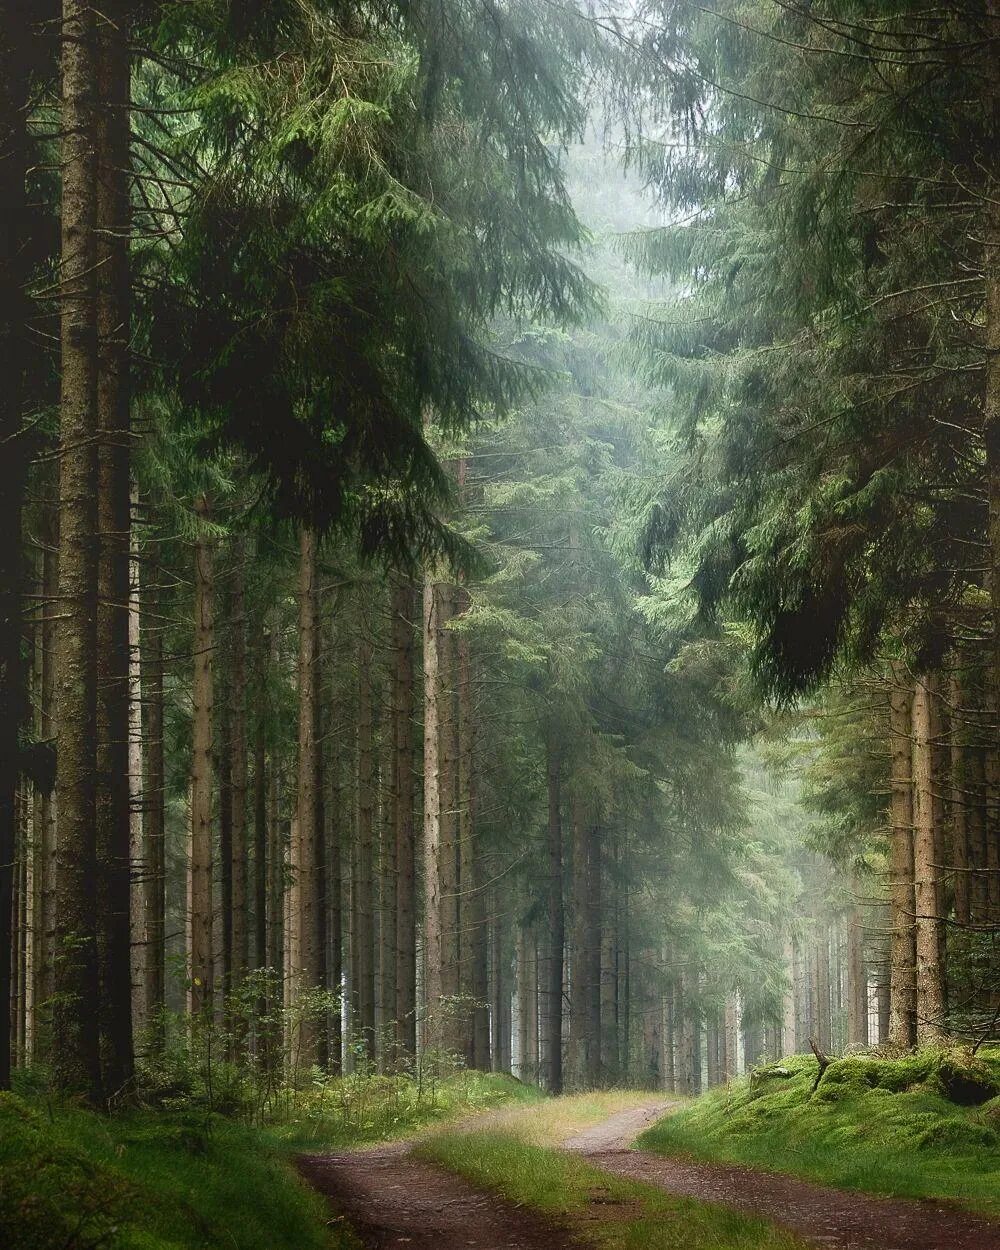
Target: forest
{"type": "Point", "coordinates": [499, 624]}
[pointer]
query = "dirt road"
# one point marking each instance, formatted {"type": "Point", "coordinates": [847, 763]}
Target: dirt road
{"type": "Point", "coordinates": [394, 1201]}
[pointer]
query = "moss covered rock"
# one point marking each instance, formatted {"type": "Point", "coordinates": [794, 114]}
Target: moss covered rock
{"type": "Point", "coordinates": [963, 1079]}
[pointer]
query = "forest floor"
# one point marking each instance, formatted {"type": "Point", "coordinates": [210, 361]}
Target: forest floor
{"type": "Point", "coordinates": [497, 1182]}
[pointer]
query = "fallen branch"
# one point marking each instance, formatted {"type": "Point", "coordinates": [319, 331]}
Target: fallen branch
{"type": "Point", "coordinates": [824, 1063]}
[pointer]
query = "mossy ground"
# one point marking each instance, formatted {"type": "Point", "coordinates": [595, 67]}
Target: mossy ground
{"type": "Point", "coordinates": [163, 1181]}
{"type": "Point", "coordinates": [602, 1210]}
{"type": "Point", "coordinates": [921, 1126]}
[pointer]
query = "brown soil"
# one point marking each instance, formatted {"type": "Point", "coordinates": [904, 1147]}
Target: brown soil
{"type": "Point", "coordinates": [391, 1200]}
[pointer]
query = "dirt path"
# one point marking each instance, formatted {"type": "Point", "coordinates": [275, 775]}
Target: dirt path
{"type": "Point", "coordinates": [819, 1215]}
{"type": "Point", "coordinates": [391, 1200]}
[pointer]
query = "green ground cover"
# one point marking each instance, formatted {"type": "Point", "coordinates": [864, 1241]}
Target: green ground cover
{"type": "Point", "coordinates": [604, 1211]}
{"type": "Point", "coordinates": [182, 1175]}
{"type": "Point", "coordinates": [149, 1181]}
{"type": "Point", "coordinates": [919, 1126]}
{"type": "Point", "coordinates": [343, 1112]}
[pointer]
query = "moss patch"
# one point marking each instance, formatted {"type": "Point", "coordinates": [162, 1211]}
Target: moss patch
{"type": "Point", "coordinates": [923, 1126]}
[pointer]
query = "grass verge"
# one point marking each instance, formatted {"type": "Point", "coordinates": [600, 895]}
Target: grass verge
{"type": "Point", "coordinates": [917, 1126]}
{"type": "Point", "coordinates": [344, 1112]}
{"type": "Point", "coordinates": [602, 1210]}
{"type": "Point", "coordinates": [162, 1181]}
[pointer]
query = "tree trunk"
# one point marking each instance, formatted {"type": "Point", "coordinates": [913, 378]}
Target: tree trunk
{"type": "Point", "coordinates": [363, 927]}
{"type": "Point", "coordinates": [137, 798]}
{"type": "Point", "coordinates": [578, 1040]}
{"type": "Point", "coordinates": [556, 936]}
{"type": "Point", "coordinates": [335, 821]}
{"type": "Point", "coordinates": [612, 1065]}
{"type": "Point", "coordinates": [403, 607]}
{"type": "Point", "coordinates": [732, 1027]}
{"type": "Point", "coordinates": [788, 1007]}
{"type": "Point", "coordinates": [14, 18]}
{"type": "Point", "coordinates": [45, 808]}
{"type": "Point", "coordinates": [114, 521]}
{"type": "Point", "coordinates": [302, 899]}
{"type": "Point", "coordinates": [959, 800]}
{"type": "Point", "coordinates": [930, 981]}
{"type": "Point", "coordinates": [387, 905]}
{"type": "Point", "coordinates": [154, 810]}
{"type": "Point", "coordinates": [239, 936]}
{"type": "Point", "coordinates": [903, 986]}
{"type": "Point", "coordinates": [449, 726]}
{"type": "Point", "coordinates": [471, 917]}
{"type": "Point", "coordinates": [440, 797]}
{"type": "Point", "coordinates": [669, 1035]}
{"type": "Point", "coordinates": [857, 980]}
{"type": "Point", "coordinates": [200, 900]}
{"type": "Point", "coordinates": [76, 1048]}
{"type": "Point", "coordinates": [593, 956]}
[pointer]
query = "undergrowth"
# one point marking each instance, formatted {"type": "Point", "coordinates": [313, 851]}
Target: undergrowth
{"type": "Point", "coordinates": [922, 1126]}
{"type": "Point", "coordinates": [341, 1112]}
{"type": "Point", "coordinates": [178, 1175]}
{"type": "Point", "coordinates": [74, 1180]}
{"type": "Point", "coordinates": [602, 1210]}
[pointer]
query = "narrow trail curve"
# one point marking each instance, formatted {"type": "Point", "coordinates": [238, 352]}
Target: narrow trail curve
{"type": "Point", "coordinates": [391, 1200]}
{"type": "Point", "coordinates": [821, 1216]}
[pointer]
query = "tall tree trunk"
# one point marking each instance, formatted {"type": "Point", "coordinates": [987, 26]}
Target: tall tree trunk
{"type": "Point", "coordinates": [593, 955]}
{"type": "Point", "coordinates": [612, 1064]}
{"type": "Point", "coordinates": [387, 906]}
{"type": "Point", "coordinates": [45, 808]}
{"type": "Point", "coordinates": [903, 985]}
{"type": "Point", "coordinates": [449, 726]}
{"type": "Point", "coordinates": [114, 520]}
{"type": "Point", "coordinates": [500, 1021]}
{"type": "Point", "coordinates": [334, 809]}
{"type": "Point", "coordinates": [930, 979]}
{"type": "Point", "coordinates": [14, 36]}
{"type": "Point", "coordinates": [669, 1074]}
{"type": "Point", "coordinates": [732, 1028]}
{"type": "Point", "coordinates": [823, 999]}
{"type": "Point", "coordinates": [154, 809]}
{"type": "Point", "coordinates": [137, 799]}
{"type": "Point", "coordinates": [440, 825]}
{"type": "Point", "coordinates": [578, 1016]}
{"type": "Point", "coordinates": [302, 896]}
{"type": "Point", "coordinates": [238, 929]}
{"type": "Point", "coordinates": [76, 1048]}
{"type": "Point", "coordinates": [472, 921]}
{"type": "Point", "coordinates": [788, 1006]}
{"type": "Point", "coordinates": [857, 980]}
{"type": "Point", "coordinates": [404, 610]}
{"type": "Point", "coordinates": [556, 936]}
{"type": "Point", "coordinates": [959, 799]}
{"type": "Point", "coordinates": [200, 897]}
{"type": "Point", "coordinates": [363, 927]}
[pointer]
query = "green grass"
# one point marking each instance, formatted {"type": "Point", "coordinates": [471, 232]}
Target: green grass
{"type": "Point", "coordinates": [604, 1211]}
{"type": "Point", "coordinates": [74, 1180]}
{"type": "Point", "coordinates": [182, 1177]}
{"type": "Point", "coordinates": [919, 1126]}
{"type": "Point", "coordinates": [349, 1111]}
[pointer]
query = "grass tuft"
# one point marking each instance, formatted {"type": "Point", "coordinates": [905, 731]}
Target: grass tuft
{"type": "Point", "coordinates": [919, 1126]}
